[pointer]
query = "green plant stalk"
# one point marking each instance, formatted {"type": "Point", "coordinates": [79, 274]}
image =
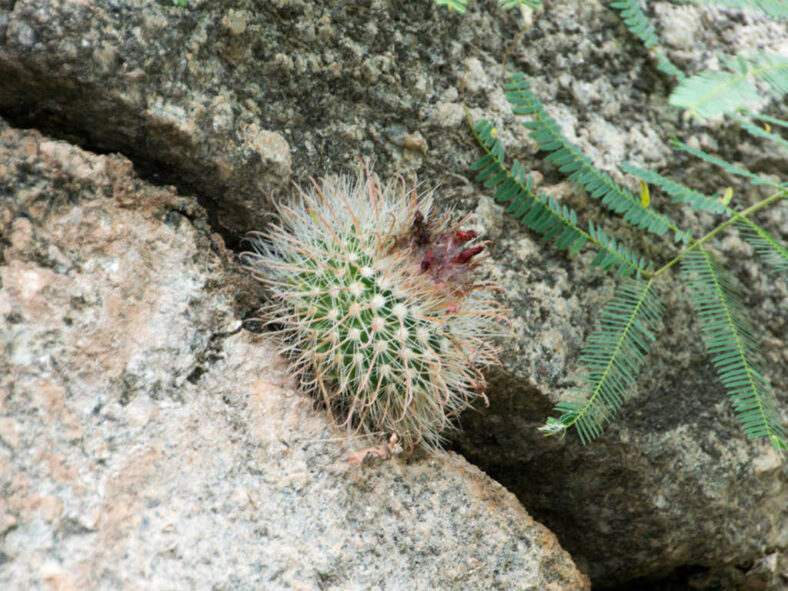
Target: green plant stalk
{"type": "Point", "coordinates": [739, 216]}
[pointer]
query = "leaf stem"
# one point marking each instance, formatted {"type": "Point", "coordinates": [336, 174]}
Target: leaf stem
{"type": "Point", "coordinates": [739, 216]}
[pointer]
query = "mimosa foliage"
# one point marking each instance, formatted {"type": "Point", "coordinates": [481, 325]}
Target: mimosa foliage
{"type": "Point", "coordinates": [612, 358]}
{"type": "Point", "coordinates": [728, 336]}
{"type": "Point", "coordinates": [617, 349]}
{"type": "Point", "coordinates": [571, 161]}
{"type": "Point", "coordinates": [774, 254]}
{"type": "Point", "coordinates": [460, 6]}
{"type": "Point", "coordinates": [544, 214]}
{"type": "Point", "coordinates": [744, 80]}
{"type": "Point", "coordinates": [638, 24]}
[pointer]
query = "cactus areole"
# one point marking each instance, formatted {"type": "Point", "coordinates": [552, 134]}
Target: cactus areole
{"type": "Point", "coordinates": [379, 304]}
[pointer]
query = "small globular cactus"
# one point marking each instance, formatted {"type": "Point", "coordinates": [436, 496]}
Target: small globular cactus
{"type": "Point", "coordinates": [380, 306]}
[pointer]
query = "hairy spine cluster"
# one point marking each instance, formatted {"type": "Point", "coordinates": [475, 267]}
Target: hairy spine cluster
{"type": "Point", "coordinates": [379, 304]}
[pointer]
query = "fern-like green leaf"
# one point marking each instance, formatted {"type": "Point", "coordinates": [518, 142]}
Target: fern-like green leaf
{"type": "Point", "coordinates": [578, 167]}
{"type": "Point", "coordinates": [543, 213]}
{"type": "Point", "coordinates": [614, 253]}
{"type": "Point", "coordinates": [638, 24]}
{"type": "Point", "coordinates": [757, 131]}
{"type": "Point", "coordinates": [612, 358]}
{"type": "Point", "coordinates": [775, 8]}
{"type": "Point", "coordinates": [766, 118]}
{"type": "Point", "coordinates": [729, 339]}
{"type": "Point", "coordinates": [724, 91]}
{"type": "Point", "coordinates": [681, 193]}
{"type": "Point", "coordinates": [507, 4]}
{"type": "Point", "coordinates": [458, 6]}
{"type": "Point", "coordinates": [725, 165]}
{"type": "Point", "coordinates": [769, 248]}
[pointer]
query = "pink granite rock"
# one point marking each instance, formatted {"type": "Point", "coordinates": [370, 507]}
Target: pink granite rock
{"type": "Point", "coordinates": [148, 442]}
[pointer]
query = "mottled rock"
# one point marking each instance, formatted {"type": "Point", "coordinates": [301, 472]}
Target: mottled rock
{"type": "Point", "coordinates": [148, 442]}
{"type": "Point", "coordinates": [214, 97]}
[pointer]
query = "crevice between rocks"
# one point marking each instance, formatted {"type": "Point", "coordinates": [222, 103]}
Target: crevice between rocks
{"type": "Point", "coordinates": [210, 354]}
{"type": "Point", "coordinates": [69, 110]}
{"type": "Point", "coordinates": [149, 168]}
{"type": "Point", "coordinates": [62, 124]}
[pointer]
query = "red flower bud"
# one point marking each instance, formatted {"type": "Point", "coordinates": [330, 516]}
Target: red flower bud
{"type": "Point", "coordinates": [467, 254]}
{"type": "Point", "coordinates": [461, 237]}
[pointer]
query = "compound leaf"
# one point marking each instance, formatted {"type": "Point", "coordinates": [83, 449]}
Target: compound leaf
{"type": "Point", "coordinates": [611, 359]}
{"type": "Point", "coordinates": [713, 92]}
{"type": "Point", "coordinates": [729, 339]}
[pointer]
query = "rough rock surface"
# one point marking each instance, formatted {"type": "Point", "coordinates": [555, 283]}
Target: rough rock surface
{"type": "Point", "coordinates": [147, 442]}
{"type": "Point", "coordinates": [232, 100]}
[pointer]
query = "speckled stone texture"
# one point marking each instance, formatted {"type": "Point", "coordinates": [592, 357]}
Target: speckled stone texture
{"type": "Point", "coordinates": [234, 100]}
{"type": "Point", "coordinates": [147, 442]}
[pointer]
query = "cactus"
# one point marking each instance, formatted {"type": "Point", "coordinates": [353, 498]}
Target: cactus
{"type": "Point", "coordinates": [379, 304]}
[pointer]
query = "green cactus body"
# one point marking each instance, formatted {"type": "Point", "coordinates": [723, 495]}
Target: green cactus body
{"type": "Point", "coordinates": [379, 305]}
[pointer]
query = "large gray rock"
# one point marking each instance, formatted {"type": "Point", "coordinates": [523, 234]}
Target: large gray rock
{"type": "Point", "coordinates": [232, 100]}
{"type": "Point", "coordinates": [147, 442]}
